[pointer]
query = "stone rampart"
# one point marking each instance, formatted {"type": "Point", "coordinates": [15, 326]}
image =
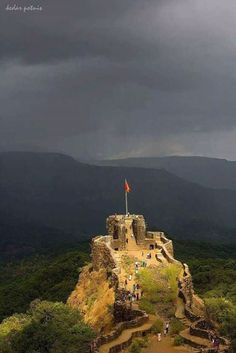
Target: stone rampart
{"type": "Point", "coordinates": [168, 244]}
{"type": "Point", "coordinates": [186, 287]}
{"type": "Point", "coordinates": [168, 255]}
{"type": "Point", "coordinates": [202, 328]}
{"type": "Point", "coordinates": [141, 318]}
{"type": "Point", "coordinates": [119, 347]}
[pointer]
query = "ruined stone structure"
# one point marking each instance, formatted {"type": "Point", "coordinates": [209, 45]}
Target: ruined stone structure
{"type": "Point", "coordinates": [101, 293]}
{"type": "Point", "coordinates": [128, 234]}
{"type": "Point", "coordinates": [119, 228]}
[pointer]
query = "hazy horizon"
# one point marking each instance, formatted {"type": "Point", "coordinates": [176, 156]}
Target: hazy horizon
{"type": "Point", "coordinates": [107, 159]}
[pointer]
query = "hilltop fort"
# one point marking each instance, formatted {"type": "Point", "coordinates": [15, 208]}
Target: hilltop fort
{"type": "Point", "coordinates": [128, 236]}
{"type": "Point", "coordinates": [107, 292]}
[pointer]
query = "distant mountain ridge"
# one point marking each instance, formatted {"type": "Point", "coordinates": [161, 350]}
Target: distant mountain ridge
{"type": "Point", "coordinates": [54, 191]}
{"type": "Point", "coordinates": [209, 172]}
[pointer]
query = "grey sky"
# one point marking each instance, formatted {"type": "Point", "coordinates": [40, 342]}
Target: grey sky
{"type": "Point", "coordinates": [102, 79]}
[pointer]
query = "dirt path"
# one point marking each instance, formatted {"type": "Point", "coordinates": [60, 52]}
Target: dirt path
{"type": "Point", "coordinates": [126, 334]}
{"type": "Point", "coordinates": [134, 251]}
{"type": "Point", "coordinates": [165, 346]}
{"type": "Point", "coordinates": [179, 313]}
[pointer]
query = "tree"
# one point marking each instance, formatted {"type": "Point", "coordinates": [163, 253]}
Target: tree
{"type": "Point", "coordinates": [51, 328]}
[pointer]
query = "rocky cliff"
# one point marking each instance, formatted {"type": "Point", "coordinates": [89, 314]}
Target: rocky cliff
{"type": "Point", "coordinates": [94, 295]}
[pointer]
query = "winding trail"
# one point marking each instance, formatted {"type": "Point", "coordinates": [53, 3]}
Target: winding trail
{"type": "Point", "coordinates": [165, 346]}
{"type": "Point", "coordinates": [127, 334]}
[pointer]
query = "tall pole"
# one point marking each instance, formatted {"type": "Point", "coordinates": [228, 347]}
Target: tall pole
{"type": "Point", "coordinates": [127, 189]}
{"type": "Point", "coordinates": [126, 203]}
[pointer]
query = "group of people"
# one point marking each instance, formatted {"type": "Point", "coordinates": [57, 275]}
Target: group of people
{"type": "Point", "coordinates": [135, 293]}
{"type": "Point", "coordinates": [133, 296]}
{"type": "Point", "coordinates": [165, 331]}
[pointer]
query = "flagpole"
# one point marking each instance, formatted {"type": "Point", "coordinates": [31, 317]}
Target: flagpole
{"type": "Point", "coordinates": [127, 189]}
{"type": "Point", "coordinates": [126, 203]}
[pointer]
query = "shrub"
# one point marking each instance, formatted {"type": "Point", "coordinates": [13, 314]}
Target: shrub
{"type": "Point", "coordinates": [170, 274]}
{"type": "Point", "coordinates": [233, 345]}
{"type": "Point", "coordinates": [218, 308]}
{"type": "Point", "coordinates": [142, 341]}
{"type": "Point", "coordinates": [178, 340]}
{"type": "Point", "coordinates": [159, 286]}
{"type": "Point", "coordinates": [176, 326]}
{"type": "Point", "coordinates": [151, 284]}
{"type": "Point", "coordinates": [137, 345]}
{"type": "Point", "coordinates": [145, 341]}
{"type": "Point", "coordinates": [147, 306]}
{"type": "Point", "coordinates": [157, 326]}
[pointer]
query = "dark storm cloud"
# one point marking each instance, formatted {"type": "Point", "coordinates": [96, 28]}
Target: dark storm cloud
{"type": "Point", "coordinates": [114, 78]}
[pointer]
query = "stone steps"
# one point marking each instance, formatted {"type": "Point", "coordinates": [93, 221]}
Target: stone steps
{"type": "Point", "coordinates": [198, 342]}
{"type": "Point", "coordinates": [195, 341]}
{"type": "Point", "coordinates": [126, 336]}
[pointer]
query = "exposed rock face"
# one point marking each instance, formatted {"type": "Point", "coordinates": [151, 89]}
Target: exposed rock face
{"type": "Point", "coordinates": [94, 295]}
{"type": "Point", "coordinates": [121, 311]}
{"type": "Point", "coordinates": [101, 255]}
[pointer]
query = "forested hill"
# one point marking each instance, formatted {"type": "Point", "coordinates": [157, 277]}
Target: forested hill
{"type": "Point", "coordinates": [209, 172]}
{"type": "Point", "coordinates": [54, 191]}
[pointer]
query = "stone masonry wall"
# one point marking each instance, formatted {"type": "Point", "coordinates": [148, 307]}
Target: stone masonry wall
{"type": "Point", "coordinates": [168, 245]}
{"type": "Point", "coordinates": [186, 286]}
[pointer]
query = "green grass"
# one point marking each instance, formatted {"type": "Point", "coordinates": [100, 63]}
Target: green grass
{"type": "Point", "coordinates": [146, 305]}
{"type": "Point", "coordinates": [176, 326]}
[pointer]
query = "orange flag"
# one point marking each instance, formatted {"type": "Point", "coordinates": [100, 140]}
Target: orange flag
{"type": "Point", "coordinates": [127, 188]}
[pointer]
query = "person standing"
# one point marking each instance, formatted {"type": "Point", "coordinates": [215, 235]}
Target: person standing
{"type": "Point", "coordinates": [159, 337]}
{"type": "Point", "coordinates": [217, 344]}
{"type": "Point", "coordinates": [167, 328]}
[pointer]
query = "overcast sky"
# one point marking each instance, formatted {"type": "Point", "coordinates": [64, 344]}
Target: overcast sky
{"type": "Point", "coordinates": [119, 78]}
